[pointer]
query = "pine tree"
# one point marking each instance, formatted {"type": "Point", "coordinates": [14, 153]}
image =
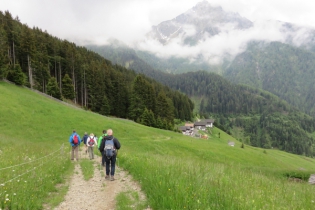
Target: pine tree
{"type": "Point", "coordinates": [16, 75]}
{"type": "Point", "coordinates": [53, 89]}
{"type": "Point", "coordinates": [3, 53]}
{"type": "Point", "coordinates": [67, 87]}
{"type": "Point", "coordinates": [105, 108]}
{"type": "Point", "coordinates": [147, 118]}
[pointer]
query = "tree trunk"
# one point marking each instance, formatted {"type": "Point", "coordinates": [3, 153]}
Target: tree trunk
{"type": "Point", "coordinates": [30, 73]}
{"type": "Point", "coordinates": [60, 82]}
{"type": "Point", "coordinates": [73, 81]}
{"type": "Point", "coordinates": [13, 55]}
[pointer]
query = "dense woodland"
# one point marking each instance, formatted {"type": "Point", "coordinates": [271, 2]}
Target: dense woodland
{"type": "Point", "coordinates": [254, 116]}
{"type": "Point", "coordinates": [34, 58]}
{"type": "Point", "coordinates": [265, 120]}
{"type": "Point", "coordinates": [281, 69]}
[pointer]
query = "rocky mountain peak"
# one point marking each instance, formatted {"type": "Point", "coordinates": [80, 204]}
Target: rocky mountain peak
{"type": "Point", "coordinates": [196, 23]}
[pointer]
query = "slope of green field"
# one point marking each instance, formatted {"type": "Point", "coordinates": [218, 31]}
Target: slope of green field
{"type": "Point", "coordinates": [175, 171]}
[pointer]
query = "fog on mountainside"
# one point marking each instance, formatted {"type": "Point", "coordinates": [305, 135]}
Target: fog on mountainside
{"type": "Point", "coordinates": [209, 34]}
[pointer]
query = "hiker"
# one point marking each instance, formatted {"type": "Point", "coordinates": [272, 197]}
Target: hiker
{"type": "Point", "coordinates": [85, 137]}
{"type": "Point", "coordinates": [75, 143]}
{"type": "Point", "coordinates": [90, 143]}
{"type": "Point", "coordinates": [99, 141]}
{"type": "Point", "coordinates": [110, 154]}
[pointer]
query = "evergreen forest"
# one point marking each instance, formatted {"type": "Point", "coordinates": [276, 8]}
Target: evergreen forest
{"type": "Point", "coordinates": [246, 111]}
{"type": "Point", "coordinates": [34, 58]}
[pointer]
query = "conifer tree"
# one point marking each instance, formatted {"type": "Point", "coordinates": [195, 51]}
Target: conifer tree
{"type": "Point", "coordinates": [67, 87]}
{"type": "Point", "coordinates": [164, 108]}
{"type": "Point", "coordinates": [159, 123]}
{"type": "Point", "coordinates": [3, 53]}
{"type": "Point", "coordinates": [147, 118]}
{"type": "Point", "coordinates": [105, 108]}
{"type": "Point", "coordinates": [16, 75]}
{"type": "Point", "coordinates": [53, 89]}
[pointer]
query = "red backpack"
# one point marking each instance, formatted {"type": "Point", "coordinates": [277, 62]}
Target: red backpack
{"type": "Point", "coordinates": [92, 141]}
{"type": "Point", "coordinates": [75, 139]}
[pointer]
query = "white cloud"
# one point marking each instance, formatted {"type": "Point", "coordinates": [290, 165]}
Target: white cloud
{"type": "Point", "coordinates": [96, 21]}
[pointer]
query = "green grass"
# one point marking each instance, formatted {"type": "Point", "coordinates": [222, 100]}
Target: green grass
{"type": "Point", "coordinates": [87, 167]}
{"type": "Point", "coordinates": [175, 171]}
{"type": "Point", "coordinates": [130, 200]}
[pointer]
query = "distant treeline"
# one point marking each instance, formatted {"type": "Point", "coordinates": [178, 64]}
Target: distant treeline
{"type": "Point", "coordinates": [34, 58]}
{"type": "Point", "coordinates": [264, 119]}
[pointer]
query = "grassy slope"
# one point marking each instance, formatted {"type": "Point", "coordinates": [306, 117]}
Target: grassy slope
{"type": "Point", "coordinates": [175, 170]}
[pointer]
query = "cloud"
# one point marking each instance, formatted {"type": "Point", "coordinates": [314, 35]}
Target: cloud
{"type": "Point", "coordinates": [96, 21]}
{"type": "Point", "coordinates": [228, 43]}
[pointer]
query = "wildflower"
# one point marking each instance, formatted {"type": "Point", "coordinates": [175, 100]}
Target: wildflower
{"type": "Point", "coordinates": [14, 193]}
{"type": "Point", "coordinates": [2, 185]}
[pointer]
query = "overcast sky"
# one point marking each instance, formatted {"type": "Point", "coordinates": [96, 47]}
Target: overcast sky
{"type": "Point", "coordinates": [95, 21]}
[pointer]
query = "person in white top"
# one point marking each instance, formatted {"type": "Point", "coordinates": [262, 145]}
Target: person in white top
{"type": "Point", "coordinates": [90, 143]}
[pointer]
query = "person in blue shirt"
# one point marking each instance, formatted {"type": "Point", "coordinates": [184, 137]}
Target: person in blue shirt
{"type": "Point", "coordinates": [85, 137]}
{"type": "Point", "coordinates": [75, 143]}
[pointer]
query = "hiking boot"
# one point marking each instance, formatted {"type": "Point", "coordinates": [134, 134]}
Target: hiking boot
{"type": "Point", "coordinates": [112, 178]}
{"type": "Point", "coordinates": [107, 177]}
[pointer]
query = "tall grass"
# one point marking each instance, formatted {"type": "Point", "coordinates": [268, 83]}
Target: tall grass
{"type": "Point", "coordinates": [175, 171]}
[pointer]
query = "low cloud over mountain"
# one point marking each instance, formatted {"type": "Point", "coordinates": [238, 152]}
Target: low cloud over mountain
{"type": "Point", "coordinates": [210, 34]}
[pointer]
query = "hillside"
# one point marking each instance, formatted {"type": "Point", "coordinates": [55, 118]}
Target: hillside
{"type": "Point", "coordinates": [175, 171]}
{"type": "Point", "coordinates": [66, 71]}
{"type": "Point", "coordinates": [250, 114]}
{"type": "Point", "coordinates": [281, 69]}
{"type": "Point", "coordinates": [208, 38]}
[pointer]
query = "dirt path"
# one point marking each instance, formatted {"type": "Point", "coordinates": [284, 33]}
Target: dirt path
{"type": "Point", "coordinates": [97, 193]}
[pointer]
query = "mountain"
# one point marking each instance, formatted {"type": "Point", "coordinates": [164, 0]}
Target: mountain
{"type": "Point", "coordinates": [193, 25]}
{"type": "Point", "coordinates": [246, 52]}
{"type": "Point", "coordinates": [282, 65]}
{"type": "Point", "coordinates": [281, 69]}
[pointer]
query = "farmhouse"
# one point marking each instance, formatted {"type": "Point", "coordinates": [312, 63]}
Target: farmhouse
{"type": "Point", "coordinates": [209, 123]}
{"type": "Point", "coordinates": [200, 125]}
{"type": "Point", "coordinates": [231, 143]}
{"type": "Point", "coordinates": [186, 130]}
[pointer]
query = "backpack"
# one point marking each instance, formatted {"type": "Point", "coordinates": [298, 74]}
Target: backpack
{"type": "Point", "coordinates": [92, 141]}
{"type": "Point", "coordinates": [75, 139]}
{"type": "Point", "coordinates": [109, 149]}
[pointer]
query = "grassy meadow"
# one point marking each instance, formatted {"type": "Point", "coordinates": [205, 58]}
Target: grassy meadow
{"type": "Point", "coordinates": [175, 171]}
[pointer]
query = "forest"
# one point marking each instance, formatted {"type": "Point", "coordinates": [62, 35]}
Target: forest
{"type": "Point", "coordinates": [279, 68]}
{"type": "Point", "coordinates": [38, 60]}
{"type": "Point", "coordinates": [254, 116]}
